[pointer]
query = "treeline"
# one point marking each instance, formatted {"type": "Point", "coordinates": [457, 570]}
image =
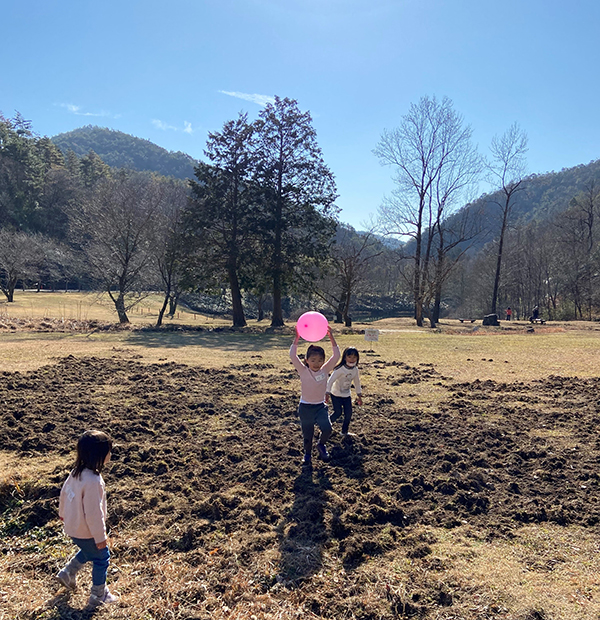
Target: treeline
{"type": "Point", "coordinates": [254, 230]}
{"type": "Point", "coordinates": [552, 263]}
{"type": "Point", "coordinates": [532, 242]}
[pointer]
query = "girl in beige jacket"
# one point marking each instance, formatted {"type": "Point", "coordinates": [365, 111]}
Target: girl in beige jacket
{"type": "Point", "coordinates": [82, 509]}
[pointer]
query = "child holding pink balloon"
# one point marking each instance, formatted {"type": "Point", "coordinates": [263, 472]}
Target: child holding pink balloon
{"type": "Point", "coordinates": [313, 378]}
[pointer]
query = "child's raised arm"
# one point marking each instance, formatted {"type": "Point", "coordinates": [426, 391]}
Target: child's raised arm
{"type": "Point", "coordinates": [298, 365]}
{"type": "Point", "coordinates": [331, 338]}
{"type": "Point", "coordinates": [335, 355]}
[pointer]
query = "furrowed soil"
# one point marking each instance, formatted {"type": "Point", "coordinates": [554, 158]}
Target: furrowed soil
{"type": "Point", "coordinates": [213, 516]}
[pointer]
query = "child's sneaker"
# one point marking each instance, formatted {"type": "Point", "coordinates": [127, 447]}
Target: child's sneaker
{"type": "Point", "coordinates": [307, 459]}
{"type": "Point", "coordinates": [323, 452]}
{"type": "Point", "coordinates": [96, 600]}
{"type": "Point", "coordinates": [67, 579]}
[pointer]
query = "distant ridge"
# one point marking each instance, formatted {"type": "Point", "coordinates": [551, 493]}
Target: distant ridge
{"type": "Point", "coordinates": [122, 150]}
{"type": "Point", "coordinates": [543, 197]}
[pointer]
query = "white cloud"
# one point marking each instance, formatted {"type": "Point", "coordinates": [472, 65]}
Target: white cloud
{"type": "Point", "coordinates": [162, 125]}
{"type": "Point", "coordinates": [75, 109]}
{"type": "Point", "coordinates": [188, 127]}
{"type": "Point", "coordinates": [258, 99]}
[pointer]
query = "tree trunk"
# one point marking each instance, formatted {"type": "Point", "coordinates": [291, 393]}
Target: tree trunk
{"type": "Point", "coordinates": [437, 302]}
{"type": "Point", "coordinates": [173, 300]}
{"type": "Point", "coordinates": [121, 310]}
{"type": "Point", "coordinates": [163, 309]}
{"type": "Point", "coordinates": [239, 319]}
{"type": "Point", "coordinates": [261, 312]}
{"type": "Point", "coordinates": [347, 318]}
{"type": "Point", "coordinates": [119, 302]}
{"type": "Point", "coordinates": [439, 280]}
{"type": "Point", "coordinates": [497, 275]}
{"type": "Point", "coordinates": [9, 290]}
{"type": "Point", "coordinates": [277, 318]}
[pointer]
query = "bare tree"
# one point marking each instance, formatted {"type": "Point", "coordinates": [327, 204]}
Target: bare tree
{"type": "Point", "coordinates": [114, 226]}
{"type": "Point", "coordinates": [506, 170]}
{"type": "Point", "coordinates": [434, 163]}
{"type": "Point", "coordinates": [350, 257]}
{"type": "Point", "coordinates": [168, 247]}
{"type": "Point", "coordinates": [17, 259]}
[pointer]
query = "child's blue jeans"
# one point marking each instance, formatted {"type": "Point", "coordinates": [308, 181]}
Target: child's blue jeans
{"type": "Point", "coordinates": [88, 552]}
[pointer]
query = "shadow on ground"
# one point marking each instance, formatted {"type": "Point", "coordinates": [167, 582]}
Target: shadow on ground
{"type": "Point", "coordinates": [223, 340]}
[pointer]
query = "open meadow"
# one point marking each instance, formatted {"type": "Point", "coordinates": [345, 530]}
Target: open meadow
{"type": "Point", "coordinates": [469, 491]}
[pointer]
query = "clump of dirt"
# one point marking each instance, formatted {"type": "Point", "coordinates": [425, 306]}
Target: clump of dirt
{"type": "Point", "coordinates": [207, 465]}
{"type": "Point", "coordinates": [12, 324]}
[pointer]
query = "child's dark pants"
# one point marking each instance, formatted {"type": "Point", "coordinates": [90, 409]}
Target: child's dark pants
{"type": "Point", "coordinates": [342, 403]}
{"type": "Point", "coordinates": [309, 416]}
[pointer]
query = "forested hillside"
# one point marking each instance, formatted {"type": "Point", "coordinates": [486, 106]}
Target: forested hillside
{"type": "Point", "coordinates": [542, 197]}
{"type": "Point", "coordinates": [121, 150]}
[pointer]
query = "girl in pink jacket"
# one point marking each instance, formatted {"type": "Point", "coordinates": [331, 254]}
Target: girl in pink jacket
{"type": "Point", "coordinates": [312, 409]}
{"type": "Point", "coordinates": [82, 509]}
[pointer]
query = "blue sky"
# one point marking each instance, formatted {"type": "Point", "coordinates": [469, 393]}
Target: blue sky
{"type": "Point", "coordinates": [171, 72]}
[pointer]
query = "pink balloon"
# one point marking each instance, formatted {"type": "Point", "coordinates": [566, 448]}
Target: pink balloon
{"type": "Point", "coordinates": [312, 326]}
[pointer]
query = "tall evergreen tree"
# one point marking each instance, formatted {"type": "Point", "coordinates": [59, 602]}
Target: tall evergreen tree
{"type": "Point", "coordinates": [21, 173]}
{"type": "Point", "coordinates": [298, 194]}
{"type": "Point", "coordinates": [221, 217]}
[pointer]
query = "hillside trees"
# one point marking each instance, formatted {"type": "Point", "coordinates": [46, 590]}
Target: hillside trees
{"type": "Point", "coordinates": [121, 150]}
{"type": "Point", "coordinates": [297, 196]}
{"type": "Point", "coordinates": [21, 173]}
{"type": "Point", "coordinates": [553, 264]}
{"type": "Point", "coordinates": [434, 164]}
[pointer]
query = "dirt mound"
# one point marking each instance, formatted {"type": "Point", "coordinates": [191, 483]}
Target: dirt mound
{"type": "Point", "coordinates": [207, 463]}
{"type": "Point", "coordinates": [12, 324]}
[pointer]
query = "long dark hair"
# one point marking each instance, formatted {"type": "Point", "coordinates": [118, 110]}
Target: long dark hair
{"type": "Point", "coordinates": [314, 349]}
{"type": "Point", "coordinates": [348, 351]}
{"type": "Point", "coordinates": [92, 448]}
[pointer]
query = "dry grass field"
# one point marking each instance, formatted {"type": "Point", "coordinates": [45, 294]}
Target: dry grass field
{"type": "Point", "coordinates": [470, 490]}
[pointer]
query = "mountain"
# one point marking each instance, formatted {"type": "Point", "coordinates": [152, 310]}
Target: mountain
{"type": "Point", "coordinates": [122, 150]}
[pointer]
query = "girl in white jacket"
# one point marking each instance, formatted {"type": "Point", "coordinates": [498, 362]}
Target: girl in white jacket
{"type": "Point", "coordinates": [82, 509]}
{"type": "Point", "coordinates": [338, 388]}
